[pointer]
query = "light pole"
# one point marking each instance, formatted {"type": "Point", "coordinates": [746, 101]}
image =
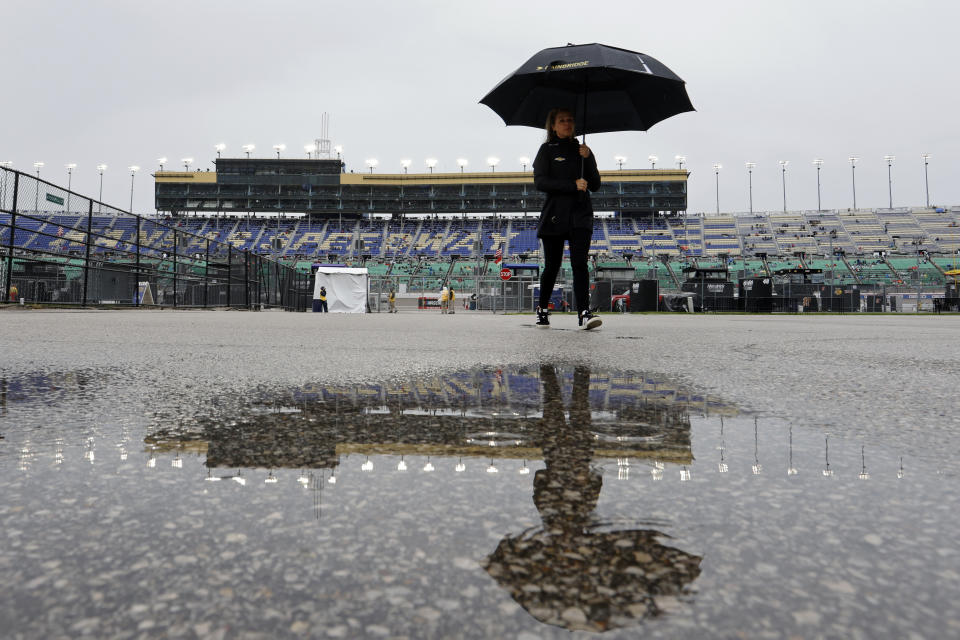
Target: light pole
{"type": "Point", "coordinates": [309, 149]}
{"type": "Point", "coordinates": [278, 148]}
{"type": "Point", "coordinates": [890, 160]}
{"type": "Point", "coordinates": [750, 166]}
{"type": "Point", "coordinates": [716, 171]}
{"type": "Point", "coordinates": [431, 163]}
{"type": "Point", "coordinates": [248, 148]}
{"type": "Point", "coordinates": [339, 150]}
{"type": "Point", "coordinates": [100, 169]}
{"type": "Point", "coordinates": [372, 162]}
{"type": "Point", "coordinates": [620, 160]}
{"type": "Point", "coordinates": [462, 162]}
{"type": "Point", "coordinates": [219, 147]}
{"type": "Point", "coordinates": [492, 162]}
{"type": "Point", "coordinates": [524, 161]}
{"type": "Point", "coordinates": [853, 178]}
{"type": "Point", "coordinates": [783, 169]}
{"type": "Point", "coordinates": [161, 162]}
{"type": "Point", "coordinates": [405, 163]}
{"type": "Point", "coordinates": [36, 204]}
{"type": "Point", "coordinates": [70, 167]}
{"type": "Point", "coordinates": [653, 161]}
{"type": "Point", "coordinates": [680, 160]}
{"type": "Point", "coordinates": [133, 172]}
{"type": "Point", "coordinates": [818, 162]}
{"type": "Point", "coordinates": [186, 163]}
{"type": "Point", "coordinates": [926, 177]}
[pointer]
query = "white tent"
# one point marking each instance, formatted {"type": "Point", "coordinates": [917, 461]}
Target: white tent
{"type": "Point", "coordinates": [346, 289]}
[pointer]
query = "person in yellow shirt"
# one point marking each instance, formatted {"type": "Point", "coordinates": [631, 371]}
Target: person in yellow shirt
{"type": "Point", "coordinates": [450, 299]}
{"type": "Point", "coordinates": [323, 300]}
{"type": "Point", "coordinates": [444, 299]}
{"type": "Point", "coordinates": [393, 301]}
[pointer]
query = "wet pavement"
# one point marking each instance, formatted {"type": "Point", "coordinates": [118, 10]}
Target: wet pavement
{"type": "Point", "coordinates": [247, 475]}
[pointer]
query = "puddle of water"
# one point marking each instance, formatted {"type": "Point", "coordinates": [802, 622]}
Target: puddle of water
{"type": "Point", "coordinates": [485, 503]}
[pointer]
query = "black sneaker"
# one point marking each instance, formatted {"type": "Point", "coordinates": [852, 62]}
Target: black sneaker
{"type": "Point", "coordinates": [588, 320]}
{"type": "Point", "coordinates": [543, 318]}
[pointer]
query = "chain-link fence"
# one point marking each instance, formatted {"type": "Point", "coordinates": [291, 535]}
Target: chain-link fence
{"type": "Point", "coordinates": [61, 248]}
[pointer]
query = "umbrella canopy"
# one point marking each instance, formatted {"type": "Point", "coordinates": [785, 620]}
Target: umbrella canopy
{"type": "Point", "coordinates": [607, 88]}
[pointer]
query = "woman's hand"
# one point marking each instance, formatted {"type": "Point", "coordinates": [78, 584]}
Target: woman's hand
{"type": "Point", "coordinates": [584, 151]}
{"type": "Point", "coordinates": [581, 184]}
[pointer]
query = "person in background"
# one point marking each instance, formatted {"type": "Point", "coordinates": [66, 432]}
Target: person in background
{"type": "Point", "coordinates": [444, 299]}
{"type": "Point", "coordinates": [323, 300]}
{"type": "Point", "coordinates": [393, 301]}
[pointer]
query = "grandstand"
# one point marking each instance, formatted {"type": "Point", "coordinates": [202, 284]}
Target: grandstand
{"type": "Point", "coordinates": [443, 237]}
{"type": "Point", "coordinates": [880, 247]}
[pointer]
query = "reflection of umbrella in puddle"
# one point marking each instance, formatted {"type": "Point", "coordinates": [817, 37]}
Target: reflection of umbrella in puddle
{"type": "Point", "coordinates": [572, 571]}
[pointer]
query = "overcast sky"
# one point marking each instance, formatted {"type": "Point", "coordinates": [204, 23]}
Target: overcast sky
{"type": "Point", "coordinates": [124, 83]}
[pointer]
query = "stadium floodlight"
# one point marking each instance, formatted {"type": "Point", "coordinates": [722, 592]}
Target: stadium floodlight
{"type": "Point", "coordinates": [431, 163]}
{"type": "Point", "coordinates": [462, 162]}
{"type": "Point", "coordinates": [524, 161]}
{"type": "Point", "coordinates": [492, 162]}
{"type": "Point", "coordinates": [405, 163]}
{"type": "Point", "coordinates": [750, 166]}
{"type": "Point", "coordinates": [133, 172]}
{"type": "Point", "coordinates": [680, 160]}
{"type": "Point", "coordinates": [818, 162]}
{"type": "Point", "coordinates": [339, 150]}
{"type": "Point", "coordinates": [278, 148]}
{"type": "Point", "coordinates": [6, 164]}
{"type": "Point", "coordinates": [889, 160]}
{"type": "Point", "coordinates": [853, 178]}
{"type": "Point", "coordinates": [716, 170]}
{"type": "Point", "coordinates": [926, 178]}
{"type": "Point", "coordinates": [100, 169]}
{"type": "Point", "coordinates": [219, 147]}
{"type": "Point", "coordinates": [186, 163]}
{"type": "Point", "coordinates": [248, 148]}
{"type": "Point", "coordinates": [653, 161]}
{"type": "Point", "coordinates": [161, 162]}
{"type": "Point", "coordinates": [309, 149]}
{"type": "Point", "coordinates": [38, 165]}
{"type": "Point", "coordinates": [70, 167]}
{"type": "Point", "coordinates": [620, 160]}
{"type": "Point", "coordinates": [372, 162]}
{"type": "Point", "coordinates": [783, 171]}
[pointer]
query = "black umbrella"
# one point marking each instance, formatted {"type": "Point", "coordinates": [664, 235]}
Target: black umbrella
{"type": "Point", "coordinates": [607, 88]}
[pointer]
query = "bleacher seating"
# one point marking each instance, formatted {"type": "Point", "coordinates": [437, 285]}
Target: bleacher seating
{"type": "Point", "coordinates": [413, 247]}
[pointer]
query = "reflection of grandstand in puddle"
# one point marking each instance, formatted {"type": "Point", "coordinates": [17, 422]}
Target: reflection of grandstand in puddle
{"type": "Point", "coordinates": [477, 413]}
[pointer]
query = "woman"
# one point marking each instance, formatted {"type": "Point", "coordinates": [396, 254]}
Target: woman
{"type": "Point", "coordinates": [566, 171]}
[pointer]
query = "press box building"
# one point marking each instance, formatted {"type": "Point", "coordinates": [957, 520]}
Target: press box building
{"type": "Point", "coordinates": [323, 188]}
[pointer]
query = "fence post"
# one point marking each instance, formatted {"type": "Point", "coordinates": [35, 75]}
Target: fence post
{"type": "Point", "coordinates": [206, 272]}
{"type": "Point", "coordinates": [229, 270]}
{"type": "Point", "coordinates": [246, 278]}
{"type": "Point", "coordinates": [136, 284]}
{"type": "Point", "coordinates": [86, 261]}
{"type": "Point", "coordinates": [13, 232]}
{"type": "Point", "coordinates": [175, 239]}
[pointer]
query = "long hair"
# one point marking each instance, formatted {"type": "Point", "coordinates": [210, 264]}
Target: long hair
{"type": "Point", "coordinates": [552, 118]}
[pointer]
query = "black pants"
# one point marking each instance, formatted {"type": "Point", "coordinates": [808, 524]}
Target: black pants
{"type": "Point", "coordinates": [579, 240]}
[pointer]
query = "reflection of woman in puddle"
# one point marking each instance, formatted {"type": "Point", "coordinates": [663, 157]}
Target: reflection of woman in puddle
{"type": "Point", "coordinates": [569, 572]}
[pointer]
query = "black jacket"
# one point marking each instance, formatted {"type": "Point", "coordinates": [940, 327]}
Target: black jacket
{"type": "Point", "coordinates": [555, 172]}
